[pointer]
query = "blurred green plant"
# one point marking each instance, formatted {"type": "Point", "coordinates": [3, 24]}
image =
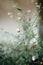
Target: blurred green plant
{"type": "Point", "coordinates": [25, 53]}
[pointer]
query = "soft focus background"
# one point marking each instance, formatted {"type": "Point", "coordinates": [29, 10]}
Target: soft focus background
{"type": "Point", "coordinates": [9, 15]}
{"type": "Point", "coordinates": [20, 32]}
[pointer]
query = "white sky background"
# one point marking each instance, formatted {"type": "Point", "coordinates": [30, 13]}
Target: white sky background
{"type": "Point", "coordinates": [9, 25]}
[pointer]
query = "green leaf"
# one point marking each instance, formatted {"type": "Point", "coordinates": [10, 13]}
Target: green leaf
{"type": "Point", "coordinates": [18, 8]}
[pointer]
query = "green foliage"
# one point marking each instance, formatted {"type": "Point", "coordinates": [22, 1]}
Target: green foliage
{"type": "Point", "coordinates": [23, 52]}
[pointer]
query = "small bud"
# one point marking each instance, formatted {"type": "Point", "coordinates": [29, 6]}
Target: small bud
{"type": "Point", "coordinates": [33, 58]}
{"type": "Point", "coordinates": [19, 18]}
{"type": "Point", "coordinates": [29, 11]}
{"type": "Point", "coordinates": [9, 13]}
{"type": "Point", "coordinates": [18, 30]}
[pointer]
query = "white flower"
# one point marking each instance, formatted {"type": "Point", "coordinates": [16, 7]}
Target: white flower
{"type": "Point", "coordinates": [35, 30]}
{"type": "Point", "coordinates": [33, 40]}
{"type": "Point", "coordinates": [19, 18]}
{"type": "Point", "coordinates": [33, 58]}
{"type": "Point", "coordinates": [18, 30]}
{"type": "Point", "coordinates": [9, 13]}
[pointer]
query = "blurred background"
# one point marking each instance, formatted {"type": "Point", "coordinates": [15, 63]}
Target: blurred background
{"type": "Point", "coordinates": [21, 32]}
{"type": "Point", "coordinates": [9, 14]}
